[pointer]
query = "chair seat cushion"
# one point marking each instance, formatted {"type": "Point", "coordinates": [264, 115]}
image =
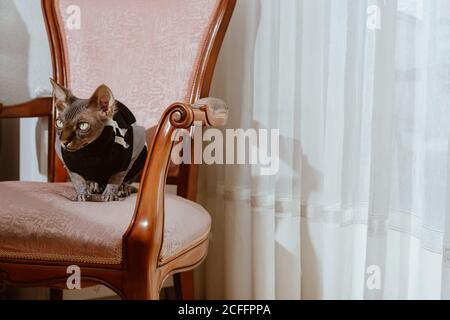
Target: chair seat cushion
{"type": "Point", "coordinates": [38, 221]}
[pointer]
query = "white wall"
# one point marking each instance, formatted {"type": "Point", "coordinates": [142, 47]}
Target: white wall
{"type": "Point", "coordinates": [25, 66]}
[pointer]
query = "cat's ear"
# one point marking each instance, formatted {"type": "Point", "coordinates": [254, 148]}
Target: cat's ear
{"type": "Point", "coordinates": [103, 99]}
{"type": "Point", "coordinates": [60, 94]}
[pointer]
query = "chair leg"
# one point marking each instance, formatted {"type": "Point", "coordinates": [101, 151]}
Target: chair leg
{"type": "Point", "coordinates": [141, 292]}
{"type": "Point", "coordinates": [142, 295]}
{"type": "Point", "coordinates": [56, 294]}
{"type": "Point", "coordinates": [154, 294]}
{"type": "Point", "coordinates": [184, 285]}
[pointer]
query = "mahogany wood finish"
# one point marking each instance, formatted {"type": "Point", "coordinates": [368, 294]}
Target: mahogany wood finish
{"type": "Point", "coordinates": [141, 273]}
{"type": "Point", "coordinates": [57, 173]}
{"type": "Point", "coordinates": [41, 107]}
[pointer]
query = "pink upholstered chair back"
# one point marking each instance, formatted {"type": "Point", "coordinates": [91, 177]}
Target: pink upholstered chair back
{"type": "Point", "coordinates": [147, 51]}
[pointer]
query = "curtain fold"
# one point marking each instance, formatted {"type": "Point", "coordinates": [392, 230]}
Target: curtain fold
{"type": "Point", "coordinates": [359, 90]}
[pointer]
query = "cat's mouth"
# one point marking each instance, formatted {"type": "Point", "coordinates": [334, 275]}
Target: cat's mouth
{"type": "Point", "coordinates": [69, 149]}
{"type": "Point", "coordinates": [72, 149]}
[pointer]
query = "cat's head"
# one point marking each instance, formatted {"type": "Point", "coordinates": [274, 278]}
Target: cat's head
{"type": "Point", "coordinates": [80, 122]}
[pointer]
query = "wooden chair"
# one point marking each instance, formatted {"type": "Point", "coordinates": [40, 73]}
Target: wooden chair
{"type": "Point", "coordinates": [151, 53]}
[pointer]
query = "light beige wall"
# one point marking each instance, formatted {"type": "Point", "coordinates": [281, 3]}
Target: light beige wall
{"type": "Point", "coordinates": [25, 66]}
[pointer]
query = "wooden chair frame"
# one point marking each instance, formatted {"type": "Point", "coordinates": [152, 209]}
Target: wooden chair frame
{"type": "Point", "coordinates": [141, 274]}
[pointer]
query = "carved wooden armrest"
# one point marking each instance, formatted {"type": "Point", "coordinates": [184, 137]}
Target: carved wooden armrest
{"type": "Point", "coordinates": [213, 112]}
{"type": "Point", "coordinates": [40, 107]}
{"type": "Point", "coordinates": [143, 239]}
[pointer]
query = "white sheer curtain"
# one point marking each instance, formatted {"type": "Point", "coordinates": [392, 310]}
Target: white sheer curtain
{"type": "Point", "coordinates": [363, 108]}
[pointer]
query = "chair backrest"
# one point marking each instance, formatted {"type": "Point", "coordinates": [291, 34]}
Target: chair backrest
{"type": "Point", "coordinates": [151, 53]}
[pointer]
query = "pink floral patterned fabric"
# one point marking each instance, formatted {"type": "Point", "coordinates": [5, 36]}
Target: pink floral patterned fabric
{"type": "Point", "coordinates": [146, 51]}
{"type": "Point", "coordinates": [39, 221]}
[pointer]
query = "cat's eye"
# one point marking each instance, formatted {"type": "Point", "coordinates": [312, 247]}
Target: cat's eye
{"type": "Point", "coordinates": [83, 126]}
{"type": "Point", "coordinates": [59, 124]}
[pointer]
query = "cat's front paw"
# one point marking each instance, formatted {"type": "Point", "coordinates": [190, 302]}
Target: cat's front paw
{"type": "Point", "coordinates": [93, 187]}
{"type": "Point", "coordinates": [83, 197]}
{"type": "Point", "coordinates": [111, 193]}
{"type": "Point", "coordinates": [124, 190]}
